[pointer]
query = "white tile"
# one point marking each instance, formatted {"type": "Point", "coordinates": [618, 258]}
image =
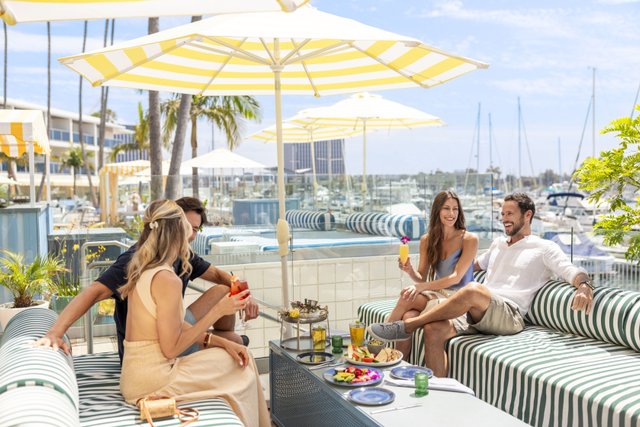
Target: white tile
{"type": "Point", "coordinates": [344, 271]}
{"type": "Point", "coordinates": [326, 293]}
{"type": "Point", "coordinates": [361, 270]}
{"type": "Point", "coordinates": [326, 273]}
{"type": "Point", "coordinates": [309, 292]}
{"type": "Point", "coordinates": [344, 291]}
{"type": "Point", "coordinates": [361, 290]}
{"type": "Point", "coordinates": [309, 274]}
{"type": "Point", "coordinates": [254, 278]}
{"type": "Point", "coordinates": [377, 269]}
{"type": "Point", "coordinates": [344, 310]}
{"type": "Point", "coordinates": [272, 277]}
{"type": "Point", "coordinates": [377, 289]}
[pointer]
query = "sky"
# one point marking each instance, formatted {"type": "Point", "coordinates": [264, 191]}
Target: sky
{"type": "Point", "coordinates": [542, 52]}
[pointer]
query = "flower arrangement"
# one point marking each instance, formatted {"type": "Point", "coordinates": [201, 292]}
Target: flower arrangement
{"type": "Point", "coordinates": [405, 240]}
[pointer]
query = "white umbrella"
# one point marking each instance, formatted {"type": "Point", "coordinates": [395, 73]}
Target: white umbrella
{"type": "Point", "coordinates": [365, 112]}
{"type": "Point", "coordinates": [221, 158]}
{"type": "Point", "coordinates": [294, 132]}
{"type": "Point", "coordinates": [304, 52]}
{"type": "Point", "coordinates": [15, 11]}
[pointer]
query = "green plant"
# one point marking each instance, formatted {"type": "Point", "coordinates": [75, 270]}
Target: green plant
{"type": "Point", "coordinates": [24, 280]}
{"type": "Point", "coordinates": [132, 227]}
{"type": "Point", "coordinates": [609, 177]}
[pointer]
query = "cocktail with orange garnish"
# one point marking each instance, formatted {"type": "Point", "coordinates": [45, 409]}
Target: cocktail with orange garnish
{"type": "Point", "coordinates": [238, 286]}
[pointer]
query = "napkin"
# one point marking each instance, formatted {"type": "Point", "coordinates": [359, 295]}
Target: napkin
{"type": "Point", "coordinates": [443, 384]}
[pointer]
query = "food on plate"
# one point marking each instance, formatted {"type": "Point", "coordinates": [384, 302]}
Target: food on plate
{"type": "Point", "coordinates": [362, 354]}
{"type": "Point", "coordinates": [354, 375]}
{"type": "Point", "coordinates": [294, 313]}
{"type": "Point", "coordinates": [388, 355]}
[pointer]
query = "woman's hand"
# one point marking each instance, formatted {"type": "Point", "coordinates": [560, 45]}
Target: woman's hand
{"type": "Point", "coordinates": [409, 293]}
{"type": "Point", "coordinates": [406, 267]}
{"type": "Point", "coordinates": [238, 352]}
{"type": "Point", "coordinates": [230, 304]}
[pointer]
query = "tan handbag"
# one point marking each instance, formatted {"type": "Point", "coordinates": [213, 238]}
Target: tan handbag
{"type": "Point", "coordinates": [152, 407]}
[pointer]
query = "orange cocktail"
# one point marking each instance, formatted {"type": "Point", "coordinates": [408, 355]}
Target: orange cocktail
{"type": "Point", "coordinates": [404, 253]}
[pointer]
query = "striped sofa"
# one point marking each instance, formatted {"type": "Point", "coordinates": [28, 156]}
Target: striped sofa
{"type": "Point", "coordinates": [313, 220]}
{"type": "Point", "coordinates": [46, 388]}
{"type": "Point", "coordinates": [564, 369]}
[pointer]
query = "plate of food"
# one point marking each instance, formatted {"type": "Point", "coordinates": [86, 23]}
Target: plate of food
{"type": "Point", "coordinates": [315, 357]}
{"type": "Point", "coordinates": [371, 396]}
{"type": "Point", "coordinates": [409, 371]}
{"type": "Point", "coordinates": [362, 356]}
{"type": "Point", "coordinates": [352, 376]}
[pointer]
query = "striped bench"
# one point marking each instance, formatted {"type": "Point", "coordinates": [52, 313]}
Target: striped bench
{"type": "Point", "coordinates": [564, 369]}
{"type": "Point", "coordinates": [45, 388]}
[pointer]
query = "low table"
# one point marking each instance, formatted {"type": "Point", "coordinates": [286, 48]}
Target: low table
{"type": "Point", "coordinates": [300, 396]}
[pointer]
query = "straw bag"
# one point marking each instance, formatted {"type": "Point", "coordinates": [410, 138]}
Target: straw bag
{"type": "Point", "coordinates": [152, 407]}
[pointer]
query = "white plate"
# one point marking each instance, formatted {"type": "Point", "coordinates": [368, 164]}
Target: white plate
{"type": "Point", "coordinates": [375, 364]}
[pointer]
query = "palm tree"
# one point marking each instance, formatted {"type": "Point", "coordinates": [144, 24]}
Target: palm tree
{"type": "Point", "coordinates": [44, 174]}
{"type": "Point", "coordinates": [92, 193]}
{"type": "Point", "coordinates": [105, 114]}
{"type": "Point", "coordinates": [140, 137]}
{"type": "Point", "coordinates": [226, 112]}
{"type": "Point", "coordinates": [155, 149]}
{"type": "Point", "coordinates": [74, 160]}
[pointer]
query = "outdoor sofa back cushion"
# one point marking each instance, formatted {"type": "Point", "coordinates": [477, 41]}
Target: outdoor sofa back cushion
{"type": "Point", "coordinates": [382, 224]}
{"type": "Point", "coordinates": [615, 316]}
{"type": "Point", "coordinates": [314, 220]}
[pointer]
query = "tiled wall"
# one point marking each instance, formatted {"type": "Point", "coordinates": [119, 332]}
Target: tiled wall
{"type": "Point", "coordinates": [343, 284]}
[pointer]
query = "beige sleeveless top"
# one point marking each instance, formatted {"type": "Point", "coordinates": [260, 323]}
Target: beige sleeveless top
{"type": "Point", "coordinates": [141, 316]}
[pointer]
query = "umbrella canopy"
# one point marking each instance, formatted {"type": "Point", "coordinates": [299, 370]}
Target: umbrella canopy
{"type": "Point", "coordinates": [21, 128]}
{"type": "Point", "coordinates": [295, 132]}
{"type": "Point", "coordinates": [15, 11]}
{"type": "Point", "coordinates": [24, 131]}
{"type": "Point", "coordinates": [364, 112]}
{"type": "Point", "coordinates": [221, 158]}
{"type": "Point", "coordinates": [303, 52]}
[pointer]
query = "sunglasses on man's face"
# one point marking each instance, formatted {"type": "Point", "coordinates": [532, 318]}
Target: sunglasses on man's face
{"type": "Point", "coordinates": [196, 229]}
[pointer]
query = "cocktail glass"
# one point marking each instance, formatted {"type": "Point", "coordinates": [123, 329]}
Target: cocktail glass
{"type": "Point", "coordinates": [356, 331]}
{"type": "Point", "coordinates": [238, 286]}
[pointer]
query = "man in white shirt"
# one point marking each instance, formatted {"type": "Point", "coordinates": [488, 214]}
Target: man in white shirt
{"type": "Point", "coordinates": [517, 267]}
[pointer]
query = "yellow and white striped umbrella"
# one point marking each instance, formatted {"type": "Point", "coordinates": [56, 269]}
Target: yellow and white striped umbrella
{"type": "Point", "coordinates": [294, 132]}
{"type": "Point", "coordinates": [235, 54]}
{"type": "Point", "coordinates": [303, 52]}
{"type": "Point", "coordinates": [125, 168]}
{"type": "Point", "coordinates": [15, 11]}
{"type": "Point", "coordinates": [365, 112]}
{"type": "Point", "coordinates": [19, 129]}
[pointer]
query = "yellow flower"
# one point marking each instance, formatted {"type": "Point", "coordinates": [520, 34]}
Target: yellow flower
{"type": "Point", "coordinates": [76, 247]}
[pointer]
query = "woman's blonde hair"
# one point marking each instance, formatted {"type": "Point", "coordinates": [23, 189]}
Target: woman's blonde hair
{"type": "Point", "coordinates": [167, 231]}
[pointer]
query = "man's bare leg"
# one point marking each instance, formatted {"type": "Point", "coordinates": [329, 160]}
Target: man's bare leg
{"type": "Point", "coordinates": [473, 299]}
{"type": "Point", "coordinates": [225, 326]}
{"type": "Point", "coordinates": [436, 335]}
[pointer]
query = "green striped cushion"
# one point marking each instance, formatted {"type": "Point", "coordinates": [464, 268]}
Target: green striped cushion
{"type": "Point", "coordinates": [24, 365]}
{"type": "Point", "coordinates": [101, 403]}
{"type": "Point", "coordinates": [548, 378]}
{"type": "Point", "coordinates": [36, 406]}
{"type": "Point", "coordinates": [615, 316]}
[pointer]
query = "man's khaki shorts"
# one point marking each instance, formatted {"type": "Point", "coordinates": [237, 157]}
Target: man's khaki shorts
{"type": "Point", "coordinates": [501, 318]}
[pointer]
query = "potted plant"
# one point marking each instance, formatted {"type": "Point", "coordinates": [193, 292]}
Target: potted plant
{"type": "Point", "coordinates": [25, 280]}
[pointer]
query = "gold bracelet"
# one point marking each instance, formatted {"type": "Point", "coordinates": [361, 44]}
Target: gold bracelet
{"type": "Point", "coordinates": [207, 338]}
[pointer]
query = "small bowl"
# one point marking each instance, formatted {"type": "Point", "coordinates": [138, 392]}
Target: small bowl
{"type": "Point", "coordinates": [375, 348]}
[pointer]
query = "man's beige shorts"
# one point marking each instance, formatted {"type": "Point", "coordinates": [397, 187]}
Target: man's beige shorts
{"type": "Point", "coordinates": [501, 318]}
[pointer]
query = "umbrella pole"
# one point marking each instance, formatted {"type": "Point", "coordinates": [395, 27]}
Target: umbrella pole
{"type": "Point", "coordinates": [313, 168]}
{"type": "Point", "coordinates": [32, 179]}
{"type": "Point", "coordinates": [282, 229]}
{"type": "Point", "coordinates": [364, 164]}
{"type": "Point", "coordinates": [47, 165]}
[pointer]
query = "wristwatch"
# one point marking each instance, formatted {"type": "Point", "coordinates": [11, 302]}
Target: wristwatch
{"type": "Point", "coordinates": [589, 283]}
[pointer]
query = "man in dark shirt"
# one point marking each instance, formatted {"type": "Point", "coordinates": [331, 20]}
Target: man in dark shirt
{"type": "Point", "coordinates": [106, 286]}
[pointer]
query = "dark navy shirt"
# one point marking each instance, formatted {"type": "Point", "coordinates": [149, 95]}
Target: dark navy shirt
{"type": "Point", "coordinates": [116, 276]}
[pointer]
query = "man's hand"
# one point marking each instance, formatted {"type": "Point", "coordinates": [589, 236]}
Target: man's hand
{"type": "Point", "coordinates": [238, 352]}
{"type": "Point", "coordinates": [52, 341]}
{"type": "Point", "coordinates": [583, 299]}
{"type": "Point", "coordinates": [251, 310]}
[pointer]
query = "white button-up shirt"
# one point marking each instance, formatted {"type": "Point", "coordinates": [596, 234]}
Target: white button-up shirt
{"type": "Point", "coordinates": [518, 271]}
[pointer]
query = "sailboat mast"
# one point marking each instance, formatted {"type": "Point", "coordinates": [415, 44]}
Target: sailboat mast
{"type": "Point", "coordinates": [593, 113]}
{"type": "Point", "coordinates": [519, 144]}
{"type": "Point", "coordinates": [478, 149]}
